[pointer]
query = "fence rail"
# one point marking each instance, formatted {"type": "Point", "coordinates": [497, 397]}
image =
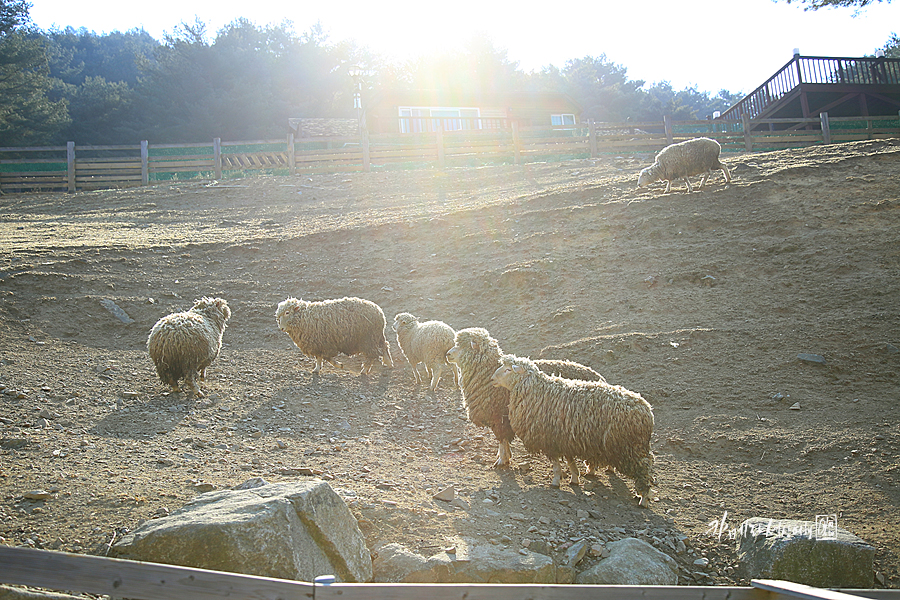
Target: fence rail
{"type": "Point", "coordinates": [71, 168]}
{"type": "Point", "coordinates": [120, 578]}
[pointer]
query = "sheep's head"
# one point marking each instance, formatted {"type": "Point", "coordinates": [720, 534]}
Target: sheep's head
{"type": "Point", "coordinates": [404, 320]}
{"type": "Point", "coordinates": [213, 308]}
{"type": "Point", "coordinates": [507, 374]}
{"type": "Point", "coordinates": [288, 310]}
{"type": "Point", "coordinates": [471, 341]}
{"type": "Point", "coordinates": [647, 177]}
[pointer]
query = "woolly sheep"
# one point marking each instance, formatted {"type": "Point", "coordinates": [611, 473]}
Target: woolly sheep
{"type": "Point", "coordinates": [326, 328]}
{"type": "Point", "coordinates": [426, 343]}
{"type": "Point", "coordinates": [183, 344]}
{"type": "Point", "coordinates": [477, 355]}
{"type": "Point", "coordinates": [682, 160]}
{"type": "Point", "coordinates": [602, 423]}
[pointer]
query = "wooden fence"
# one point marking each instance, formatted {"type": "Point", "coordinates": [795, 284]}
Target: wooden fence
{"type": "Point", "coordinates": [151, 581]}
{"type": "Point", "coordinates": [442, 143]}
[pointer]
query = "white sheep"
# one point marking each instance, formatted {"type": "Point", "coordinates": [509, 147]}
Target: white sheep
{"type": "Point", "coordinates": [326, 328]}
{"type": "Point", "coordinates": [477, 355]}
{"type": "Point", "coordinates": [565, 418]}
{"type": "Point", "coordinates": [426, 343]}
{"type": "Point", "coordinates": [682, 160]}
{"type": "Point", "coordinates": [182, 345]}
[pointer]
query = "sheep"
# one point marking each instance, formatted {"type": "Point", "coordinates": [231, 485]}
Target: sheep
{"type": "Point", "coordinates": [477, 355]}
{"type": "Point", "coordinates": [323, 329]}
{"type": "Point", "coordinates": [682, 160]}
{"type": "Point", "coordinates": [426, 343]}
{"type": "Point", "coordinates": [182, 345]}
{"type": "Point", "coordinates": [604, 424]}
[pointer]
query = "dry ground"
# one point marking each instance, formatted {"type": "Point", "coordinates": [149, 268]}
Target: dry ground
{"type": "Point", "coordinates": [701, 302]}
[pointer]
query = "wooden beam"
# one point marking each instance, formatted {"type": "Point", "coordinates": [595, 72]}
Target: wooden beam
{"type": "Point", "coordinates": [70, 166]}
{"type": "Point", "coordinates": [798, 590]}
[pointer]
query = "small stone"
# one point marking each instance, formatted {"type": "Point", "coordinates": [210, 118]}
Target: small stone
{"type": "Point", "coordinates": [204, 487]}
{"type": "Point", "coordinates": [795, 406]}
{"type": "Point", "coordinates": [130, 394]}
{"type": "Point", "coordinates": [811, 358]}
{"type": "Point", "coordinates": [516, 516]}
{"type": "Point", "coordinates": [581, 514]}
{"type": "Point", "coordinates": [446, 495]}
{"type": "Point", "coordinates": [37, 495]}
{"type": "Point", "coordinates": [701, 562]}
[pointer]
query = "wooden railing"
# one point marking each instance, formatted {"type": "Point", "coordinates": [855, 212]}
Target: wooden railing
{"type": "Point", "coordinates": [71, 168]}
{"type": "Point", "coordinates": [119, 578]}
{"type": "Point", "coordinates": [815, 70]}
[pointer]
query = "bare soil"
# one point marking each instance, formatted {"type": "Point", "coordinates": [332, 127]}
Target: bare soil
{"type": "Point", "coordinates": [701, 302]}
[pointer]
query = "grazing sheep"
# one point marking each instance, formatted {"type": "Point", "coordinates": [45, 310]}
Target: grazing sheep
{"type": "Point", "coordinates": [601, 423]}
{"type": "Point", "coordinates": [426, 343]}
{"type": "Point", "coordinates": [477, 355]}
{"type": "Point", "coordinates": [183, 344]}
{"type": "Point", "coordinates": [326, 328]}
{"type": "Point", "coordinates": [684, 159]}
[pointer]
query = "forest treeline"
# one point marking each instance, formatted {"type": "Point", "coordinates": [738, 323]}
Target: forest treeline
{"type": "Point", "coordinates": [245, 81]}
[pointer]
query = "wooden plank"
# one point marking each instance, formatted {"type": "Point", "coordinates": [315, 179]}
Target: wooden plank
{"type": "Point", "coordinates": [70, 162]}
{"type": "Point", "coordinates": [798, 590]}
{"type": "Point", "coordinates": [131, 579]}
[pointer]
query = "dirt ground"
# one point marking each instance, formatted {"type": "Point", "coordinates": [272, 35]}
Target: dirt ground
{"type": "Point", "coordinates": [701, 302]}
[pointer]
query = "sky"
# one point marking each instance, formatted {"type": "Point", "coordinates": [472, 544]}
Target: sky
{"type": "Point", "coordinates": [711, 44]}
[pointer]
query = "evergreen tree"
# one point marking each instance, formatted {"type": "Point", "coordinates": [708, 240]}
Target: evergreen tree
{"type": "Point", "coordinates": [27, 116]}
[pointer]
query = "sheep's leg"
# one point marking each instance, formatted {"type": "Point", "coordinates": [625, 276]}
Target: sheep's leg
{"type": "Point", "coordinates": [573, 470]}
{"type": "Point", "coordinates": [688, 182]}
{"type": "Point", "coordinates": [704, 178]}
{"type": "Point", "coordinates": [318, 366]}
{"type": "Point", "coordinates": [436, 377]}
{"type": "Point", "coordinates": [557, 472]}
{"type": "Point", "coordinates": [387, 356]}
{"type": "Point", "coordinates": [416, 373]}
{"type": "Point", "coordinates": [668, 186]}
{"type": "Point", "coordinates": [504, 454]}
{"type": "Point", "coordinates": [727, 174]}
{"type": "Point", "coordinates": [455, 375]}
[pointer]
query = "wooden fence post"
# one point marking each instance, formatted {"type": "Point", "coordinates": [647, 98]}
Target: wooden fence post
{"type": "Point", "coordinates": [592, 135]}
{"type": "Point", "coordinates": [292, 158]}
{"type": "Point", "coordinates": [364, 144]}
{"type": "Point", "coordinates": [826, 129]}
{"type": "Point", "coordinates": [217, 156]}
{"type": "Point", "coordinates": [145, 162]}
{"type": "Point", "coordinates": [440, 144]}
{"type": "Point", "coordinates": [745, 123]}
{"type": "Point", "coordinates": [70, 166]}
{"type": "Point", "coordinates": [517, 150]}
{"type": "Point", "coordinates": [667, 124]}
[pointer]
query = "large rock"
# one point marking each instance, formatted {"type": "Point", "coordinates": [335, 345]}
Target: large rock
{"type": "Point", "coordinates": [798, 551]}
{"type": "Point", "coordinates": [469, 563]}
{"type": "Point", "coordinates": [632, 562]}
{"type": "Point", "coordinates": [288, 530]}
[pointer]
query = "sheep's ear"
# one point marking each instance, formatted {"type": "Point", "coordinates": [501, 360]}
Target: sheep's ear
{"type": "Point", "coordinates": [518, 369]}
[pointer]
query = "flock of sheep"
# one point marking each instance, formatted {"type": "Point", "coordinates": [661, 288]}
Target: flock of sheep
{"type": "Point", "coordinates": [561, 409]}
{"type": "Point", "coordinates": [558, 408]}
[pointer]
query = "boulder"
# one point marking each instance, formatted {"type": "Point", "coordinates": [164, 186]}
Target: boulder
{"type": "Point", "coordinates": [469, 562]}
{"type": "Point", "coordinates": [632, 562]}
{"type": "Point", "coordinates": [814, 553]}
{"type": "Point", "coordinates": [295, 530]}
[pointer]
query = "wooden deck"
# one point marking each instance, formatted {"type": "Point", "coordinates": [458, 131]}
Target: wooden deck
{"type": "Point", "coordinates": [809, 85]}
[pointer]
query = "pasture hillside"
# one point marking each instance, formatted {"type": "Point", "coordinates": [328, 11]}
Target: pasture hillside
{"type": "Point", "coordinates": [701, 302]}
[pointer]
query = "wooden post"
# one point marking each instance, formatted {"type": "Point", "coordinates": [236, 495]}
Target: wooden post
{"type": "Point", "coordinates": [292, 158]}
{"type": "Point", "coordinates": [70, 165]}
{"type": "Point", "coordinates": [745, 123]}
{"type": "Point", "coordinates": [592, 138]}
{"type": "Point", "coordinates": [440, 143]}
{"type": "Point", "coordinates": [364, 144]}
{"type": "Point", "coordinates": [667, 123]}
{"type": "Point", "coordinates": [826, 129]}
{"type": "Point", "coordinates": [217, 156]}
{"type": "Point", "coordinates": [145, 162]}
{"type": "Point", "coordinates": [517, 150]}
